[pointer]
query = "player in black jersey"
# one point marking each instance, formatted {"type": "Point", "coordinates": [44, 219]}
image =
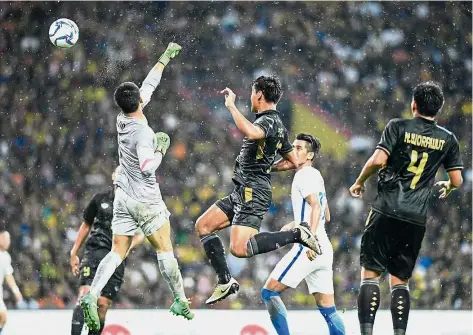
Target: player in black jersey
{"type": "Point", "coordinates": [96, 229]}
{"type": "Point", "coordinates": [245, 206]}
{"type": "Point", "coordinates": [409, 154]}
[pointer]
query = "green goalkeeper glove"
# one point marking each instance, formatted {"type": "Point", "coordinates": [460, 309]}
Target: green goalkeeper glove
{"type": "Point", "coordinates": [171, 52]}
{"type": "Point", "coordinates": [163, 142]}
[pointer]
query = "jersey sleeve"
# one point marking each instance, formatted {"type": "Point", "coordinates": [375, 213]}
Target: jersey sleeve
{"type": "Point", "coordinates": [149, 85]}
{"type": "Point", "coordinates": [453, 160]}
{"type": "Point", "coordinates": [8, 266]}
{"type": "Point", "coordinates": [308, 182]}
{"type": "Point", "coordinates": [91, 211]}
{"type": "Point", "coordinates": [267, 124]}
{"type": "Point", "coordinates": [389, 137]}
{"type": "Point", "coordinates": [286, 145]}
{"type": "Point", "coordinates": [145, 150]}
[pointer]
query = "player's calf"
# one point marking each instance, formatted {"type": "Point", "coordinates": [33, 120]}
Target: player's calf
{"type": "Point", "coordinates": [400, 307]}
{"type": "Point", "coordinates": [326, 306]}
{"type": "Point", "coordinates": [277, 310]}
{"type": "Point", "coordinates": [268, 241]}
{"type": "Point", "coordinates": [333, 320]}
{"type": "Point", "coordinates": [368, 303]}
{"type": "Point", "coordinates": [3, 318]}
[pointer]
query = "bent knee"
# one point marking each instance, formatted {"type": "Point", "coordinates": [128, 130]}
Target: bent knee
{"type": "Point", "coordinates": [204, 226]}
{"type": "Point", "coordinates": [239, 250]}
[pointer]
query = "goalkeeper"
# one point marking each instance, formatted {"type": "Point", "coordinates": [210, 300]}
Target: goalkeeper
{"type": "Point", "coordinates": [138, 201]}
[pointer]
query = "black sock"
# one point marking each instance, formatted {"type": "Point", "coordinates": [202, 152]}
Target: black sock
{"type": "Point", "coordinates": [400, 306]}
{"type": "Point", "coordinates": [102, 326]}
{"type": "Point", "coordinates": [215, 252]}
{"type": "Point", "coordinates": [368, 303]}
{"type": "Point", "coordinates": [266, 242]}
{"type": "Point", "coordinates": [77, 320]}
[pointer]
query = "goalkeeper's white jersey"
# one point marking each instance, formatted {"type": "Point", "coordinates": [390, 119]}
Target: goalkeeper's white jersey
{"type": "Point", "coordinates": [132, 179]}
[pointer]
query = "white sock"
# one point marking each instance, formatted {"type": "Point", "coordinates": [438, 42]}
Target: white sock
{"type": "Point", "coordinates": [106, 268]}
{"type": "Point", "coordinates": [170, 270]}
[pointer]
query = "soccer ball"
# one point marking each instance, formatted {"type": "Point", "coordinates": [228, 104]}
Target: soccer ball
{"type": "Point", "coordinates": [63, 33]}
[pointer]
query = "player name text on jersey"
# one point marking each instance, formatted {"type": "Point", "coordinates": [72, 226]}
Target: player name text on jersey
{"type": "Point", "coordinates": [424, 141]}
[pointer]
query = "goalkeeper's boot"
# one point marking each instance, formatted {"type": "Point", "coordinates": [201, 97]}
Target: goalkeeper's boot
{"type": "Point", "coordinates": [181, 307]}
{"type": "Point", "coordinates": [308, 239]}
{"type": "Point", "coordinates": [88, 303]}
{"type": "Point", "coordinates": [223, 290]}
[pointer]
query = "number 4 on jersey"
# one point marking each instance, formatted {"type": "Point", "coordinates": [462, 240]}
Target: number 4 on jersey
{"type": "Point", "coordinates": [417, 170]}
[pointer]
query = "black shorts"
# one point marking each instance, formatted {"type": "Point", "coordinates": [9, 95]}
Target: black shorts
{"type": "Point", "coordinates": [246, 206]}
{"type": "Point", "coordinates": [88, 267]}
{"type": "Point", "coordinates": [392, 245]}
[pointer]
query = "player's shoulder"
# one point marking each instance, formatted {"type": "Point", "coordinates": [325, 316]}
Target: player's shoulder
{"type": "Point", "coordinates": [397, 122]}
{"type": "Point", "coordinates": [447, 132]}
{"type": "Point", "coordinates": [99, 196]}
{"type": "Point", "coordinates": [6, 256]}
{"type": "Point", "coordinates": [308, 174]}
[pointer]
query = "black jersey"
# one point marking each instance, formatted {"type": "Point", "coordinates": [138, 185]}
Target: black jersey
{"type": "Point", "coordinates": [99, 214]}
{"type": "Point", "coordinates": [253, 164]}
{"type": "Point", "coordinates": [416, 148]}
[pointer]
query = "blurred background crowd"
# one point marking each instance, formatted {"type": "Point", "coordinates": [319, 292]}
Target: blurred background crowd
{"type": "Point", "coordinates": [355, 63]}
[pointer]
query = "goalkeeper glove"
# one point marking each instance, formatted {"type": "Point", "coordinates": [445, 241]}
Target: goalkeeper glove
{"type": "Point", "coordinates": [171, 52]}
{"type": "Point", "coordinates": [163, 142]}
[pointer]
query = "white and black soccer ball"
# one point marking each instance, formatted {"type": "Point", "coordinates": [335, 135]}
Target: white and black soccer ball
{"type": "Point", "coordinates": [63, 33]}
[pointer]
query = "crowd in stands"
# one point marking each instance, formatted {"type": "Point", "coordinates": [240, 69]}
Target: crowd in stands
{"type": "Point", "coordinates": [358, 61]}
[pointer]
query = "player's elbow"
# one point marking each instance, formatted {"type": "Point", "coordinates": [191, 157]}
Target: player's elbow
{"type": "Point", "coordinates": [379, 158]}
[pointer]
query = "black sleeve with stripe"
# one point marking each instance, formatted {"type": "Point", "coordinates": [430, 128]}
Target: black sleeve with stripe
{"type": "Point", "coordinates": [389, 137]}
{"type": "Point", "coordinates": [453, 160]}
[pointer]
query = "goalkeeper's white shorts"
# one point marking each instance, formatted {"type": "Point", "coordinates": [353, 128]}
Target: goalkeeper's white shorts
{"type": "Point", "coordinates": [295, 267]}
{"type": "Point", "coordinates": [130, 214]}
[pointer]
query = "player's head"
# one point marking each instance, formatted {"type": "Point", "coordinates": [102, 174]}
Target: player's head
{"type": "Point", "coordinates": [115, 173]}
{"type": "Point", "coordinates": [265, 90]}
{"type": "Point", "coordinates": [4, 240]}
{"type": "Point", "coordinates": [306, 147]}
{"type": "Point", "coordinates": [427, 99]}
{"type": "Point", "coordinates": [127, 96]}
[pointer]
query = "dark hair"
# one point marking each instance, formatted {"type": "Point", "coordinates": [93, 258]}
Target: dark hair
{"type": "Point", "coordinates": [429, 98]}
{"type": "Point", "coordinates": [127, 97]}
{"type": "Point", "coordinates": [312, 143]}
{"type": "Point", "coordinates": [270, 86]}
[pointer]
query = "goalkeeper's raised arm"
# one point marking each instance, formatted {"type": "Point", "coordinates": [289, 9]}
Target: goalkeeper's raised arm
{"type": "Point", "coordinates": [153, 78]}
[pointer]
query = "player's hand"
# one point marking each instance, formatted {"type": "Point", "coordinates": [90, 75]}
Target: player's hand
{"type": "Point", "coordinates": [229, 97]}
{"type": "Point", "coordinates": [163, 142]}
{"type": "Point", "coordinates": [288, 226]}
{"type": "Point", "coordinates": [357, 189]}
{"type": "Point", "coordinates": [75, 261]}
{"type": "Point", "coordinates": [446, 188]}
{"type": "Point", "coordinates": [172, 51]}
{"type": "Point", "coordinates": [311, 254]}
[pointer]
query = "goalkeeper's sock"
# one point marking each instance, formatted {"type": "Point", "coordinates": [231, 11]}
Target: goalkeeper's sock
{"type": "Point", "coordinates": [266, 241]}
{"type": "Point", "coordinates": [170, 270]}
{"type": "Point", "coordinates": [277, 310]}
{"type": "Point", "coordinates": [106, 268]}
{"type": "Point", "coordinates": [215, 252]}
